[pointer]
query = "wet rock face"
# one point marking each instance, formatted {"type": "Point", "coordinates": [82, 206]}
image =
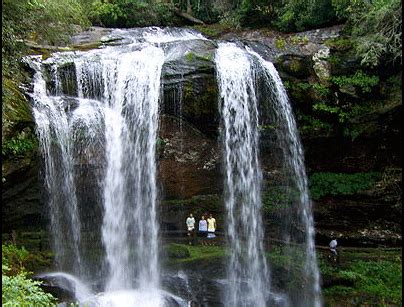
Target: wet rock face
{"type": "Point", "coordinates": [189, 162]}
{"type": "Point", "coordinates": [358, 220]}
{"type": "Point", "coordinates": [188, 148]}
{"type": "Point", "coordinates": [189, 85]}
{"type": "Point", "coordinates": [21, 204]}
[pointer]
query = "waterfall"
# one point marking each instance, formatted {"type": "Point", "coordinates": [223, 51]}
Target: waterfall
{"type": "Point", "coordinates": [128, 83]}
{"type": "Point", "coordinates": [97, 115]}
{"type": "Point", "coordinates": [247, 268]}
{"type": "Point", "coordinates": [53, 131]}
{"type": "Point", "coordinates": [289, 139]}
{"type": "Point", "coordinates": [238, 71]}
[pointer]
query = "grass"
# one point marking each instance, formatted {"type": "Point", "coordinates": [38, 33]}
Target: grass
{"type": "Point", "coordinates": [198, 252]}
{"type": "Point", "coordinates": [364, 278]}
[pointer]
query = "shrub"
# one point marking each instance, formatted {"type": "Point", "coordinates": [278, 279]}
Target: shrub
{"type": "Point", "coordinates": [17, 288]}
{"type": "Point", "coordinates": [131, 13]}
{"type": "Point", "coordinates": [19, 145]}
{"type": "Point", "coordinates": [299, 15]}
{"type": "Point", "coordinates": [375, 27]}
{"type": "Point", "coordinates": [359, 79]}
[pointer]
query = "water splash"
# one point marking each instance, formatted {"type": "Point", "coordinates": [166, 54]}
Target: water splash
{"type": "Point", "coordinates": [68, 282]}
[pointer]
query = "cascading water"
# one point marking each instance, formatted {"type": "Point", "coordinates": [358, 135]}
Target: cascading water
{"type": "Point", "coordinates": [112, 122]}
{"type": "Point", "coordinates": [247, 269]}
{"type": "Point", "coordinates": [53, 132]}
{"type": "Point", "coordinates": [293, 154]}
{"type": "Point", "coordinates": [128, 83]}
{"type": "Point", "coordinates": [103, 113]}
{"type": "Point", "coordinates": [248, 276]}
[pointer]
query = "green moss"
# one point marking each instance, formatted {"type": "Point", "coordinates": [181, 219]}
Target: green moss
{"type": "Point", "coordinates": [212, 31]}
{"type": "Point", "coordinates": [295, 65]}
{"type": "Point", "coordinates": [322, 184]}
{"type": "Point", "coordinates": [339, 43]}
{"type": "Point", "coordinates": [191, 57]}
{"type": "Point", "coordinates": [280, 43]}
{"type": "Point", "coordinates": [203, 103]}
{"type": "Point", "coordinates": [15, 105]}
{"type": "Point", "coordinates": [178, 251]}
{"type": "Point", "coordinates": [183, 253]}
{"type": "Point", "coordinates": [299, 40]}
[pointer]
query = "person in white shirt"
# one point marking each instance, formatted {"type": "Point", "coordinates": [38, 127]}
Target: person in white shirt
{"type": "Point", "coordinates": [190, 222]}
{"type": "Point", "coordinates": [333, 246]}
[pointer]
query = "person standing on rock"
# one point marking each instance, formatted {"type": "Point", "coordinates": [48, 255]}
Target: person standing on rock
{"type": "Point", "coordinates": [211, 228]}
{"type": "Point", "coordinates": [190, 222]}
{"type": "Point", "coordinates": [203, 229]}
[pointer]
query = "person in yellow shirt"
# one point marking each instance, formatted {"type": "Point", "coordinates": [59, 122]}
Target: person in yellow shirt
{"type": "Point", "coordinates": [211, 228]}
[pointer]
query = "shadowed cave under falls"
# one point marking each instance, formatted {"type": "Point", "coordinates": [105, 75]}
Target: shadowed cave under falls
{"type": "Point", "coordinates": [97, 118]}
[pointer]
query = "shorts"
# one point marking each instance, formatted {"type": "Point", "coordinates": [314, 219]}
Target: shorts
{"type": "Point", "coordinates": [211, 235]}
{"type": "Point", "coordinates": [203, 233]}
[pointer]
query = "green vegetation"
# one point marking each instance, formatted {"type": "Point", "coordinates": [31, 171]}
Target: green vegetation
{"type": "Point", "coordinates": [339, 43]}
{"type": "Point", "coordinates": [131, 13]}
{"type": "Point", "coordinates": [280, 43]}
{"type": "Point", "coordinates": [19, 145]}
{"type": "Point", "coordinates": [324, 107]}
{"type": "Point", "coordinates": [191, 56]}
{"type": "Point", "coordinates": [375, 27]}
{"type": "Point", "coordinates": [361, 80]}
{"type": "Point", "coordinates": [188, 253]}
{"type": "Point", "coordinates": [311, 124]}
{"type": "Point", "coordinates": [300, 14]}
{"type": "Point", "coordinates": [372, 277]}
{"type": "Point", "coordinates": [17, 288]}
{"type": "Point", "coordinates": [363, 277]}
{"type": "Point", "coordinates": [41, 21]}
{"type": "Point", "coordinates": [322, 184]}
{"type": "Point", "coordinates": [275, 198]}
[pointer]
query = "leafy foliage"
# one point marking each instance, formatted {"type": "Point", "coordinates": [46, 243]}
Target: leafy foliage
{"type": "Point", "coordinates": [310, 124]}
{"type": "Point", "coordinates": [322, 184]}
{"type": "Point", "coordinates": [276, 198]}
{"type": "Point", "coordinates": [359, 79]}
{"type": "Point", "coordinates": [17, 288]}
{"type": "Point", "coordinates": [131, 13]}
{"type": "Point", "coordinates": [19, 145]}
{"type": "Point", "coordinates": [376, 30]}
{"type": "Point", "coordinates": [46, 21]}
{"type": "Point", "coordinates": [323, 107]}
{"type": "Point", "coordinates": [300, 14]}
{"type": "Point", "coordinates": [14, 257]}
